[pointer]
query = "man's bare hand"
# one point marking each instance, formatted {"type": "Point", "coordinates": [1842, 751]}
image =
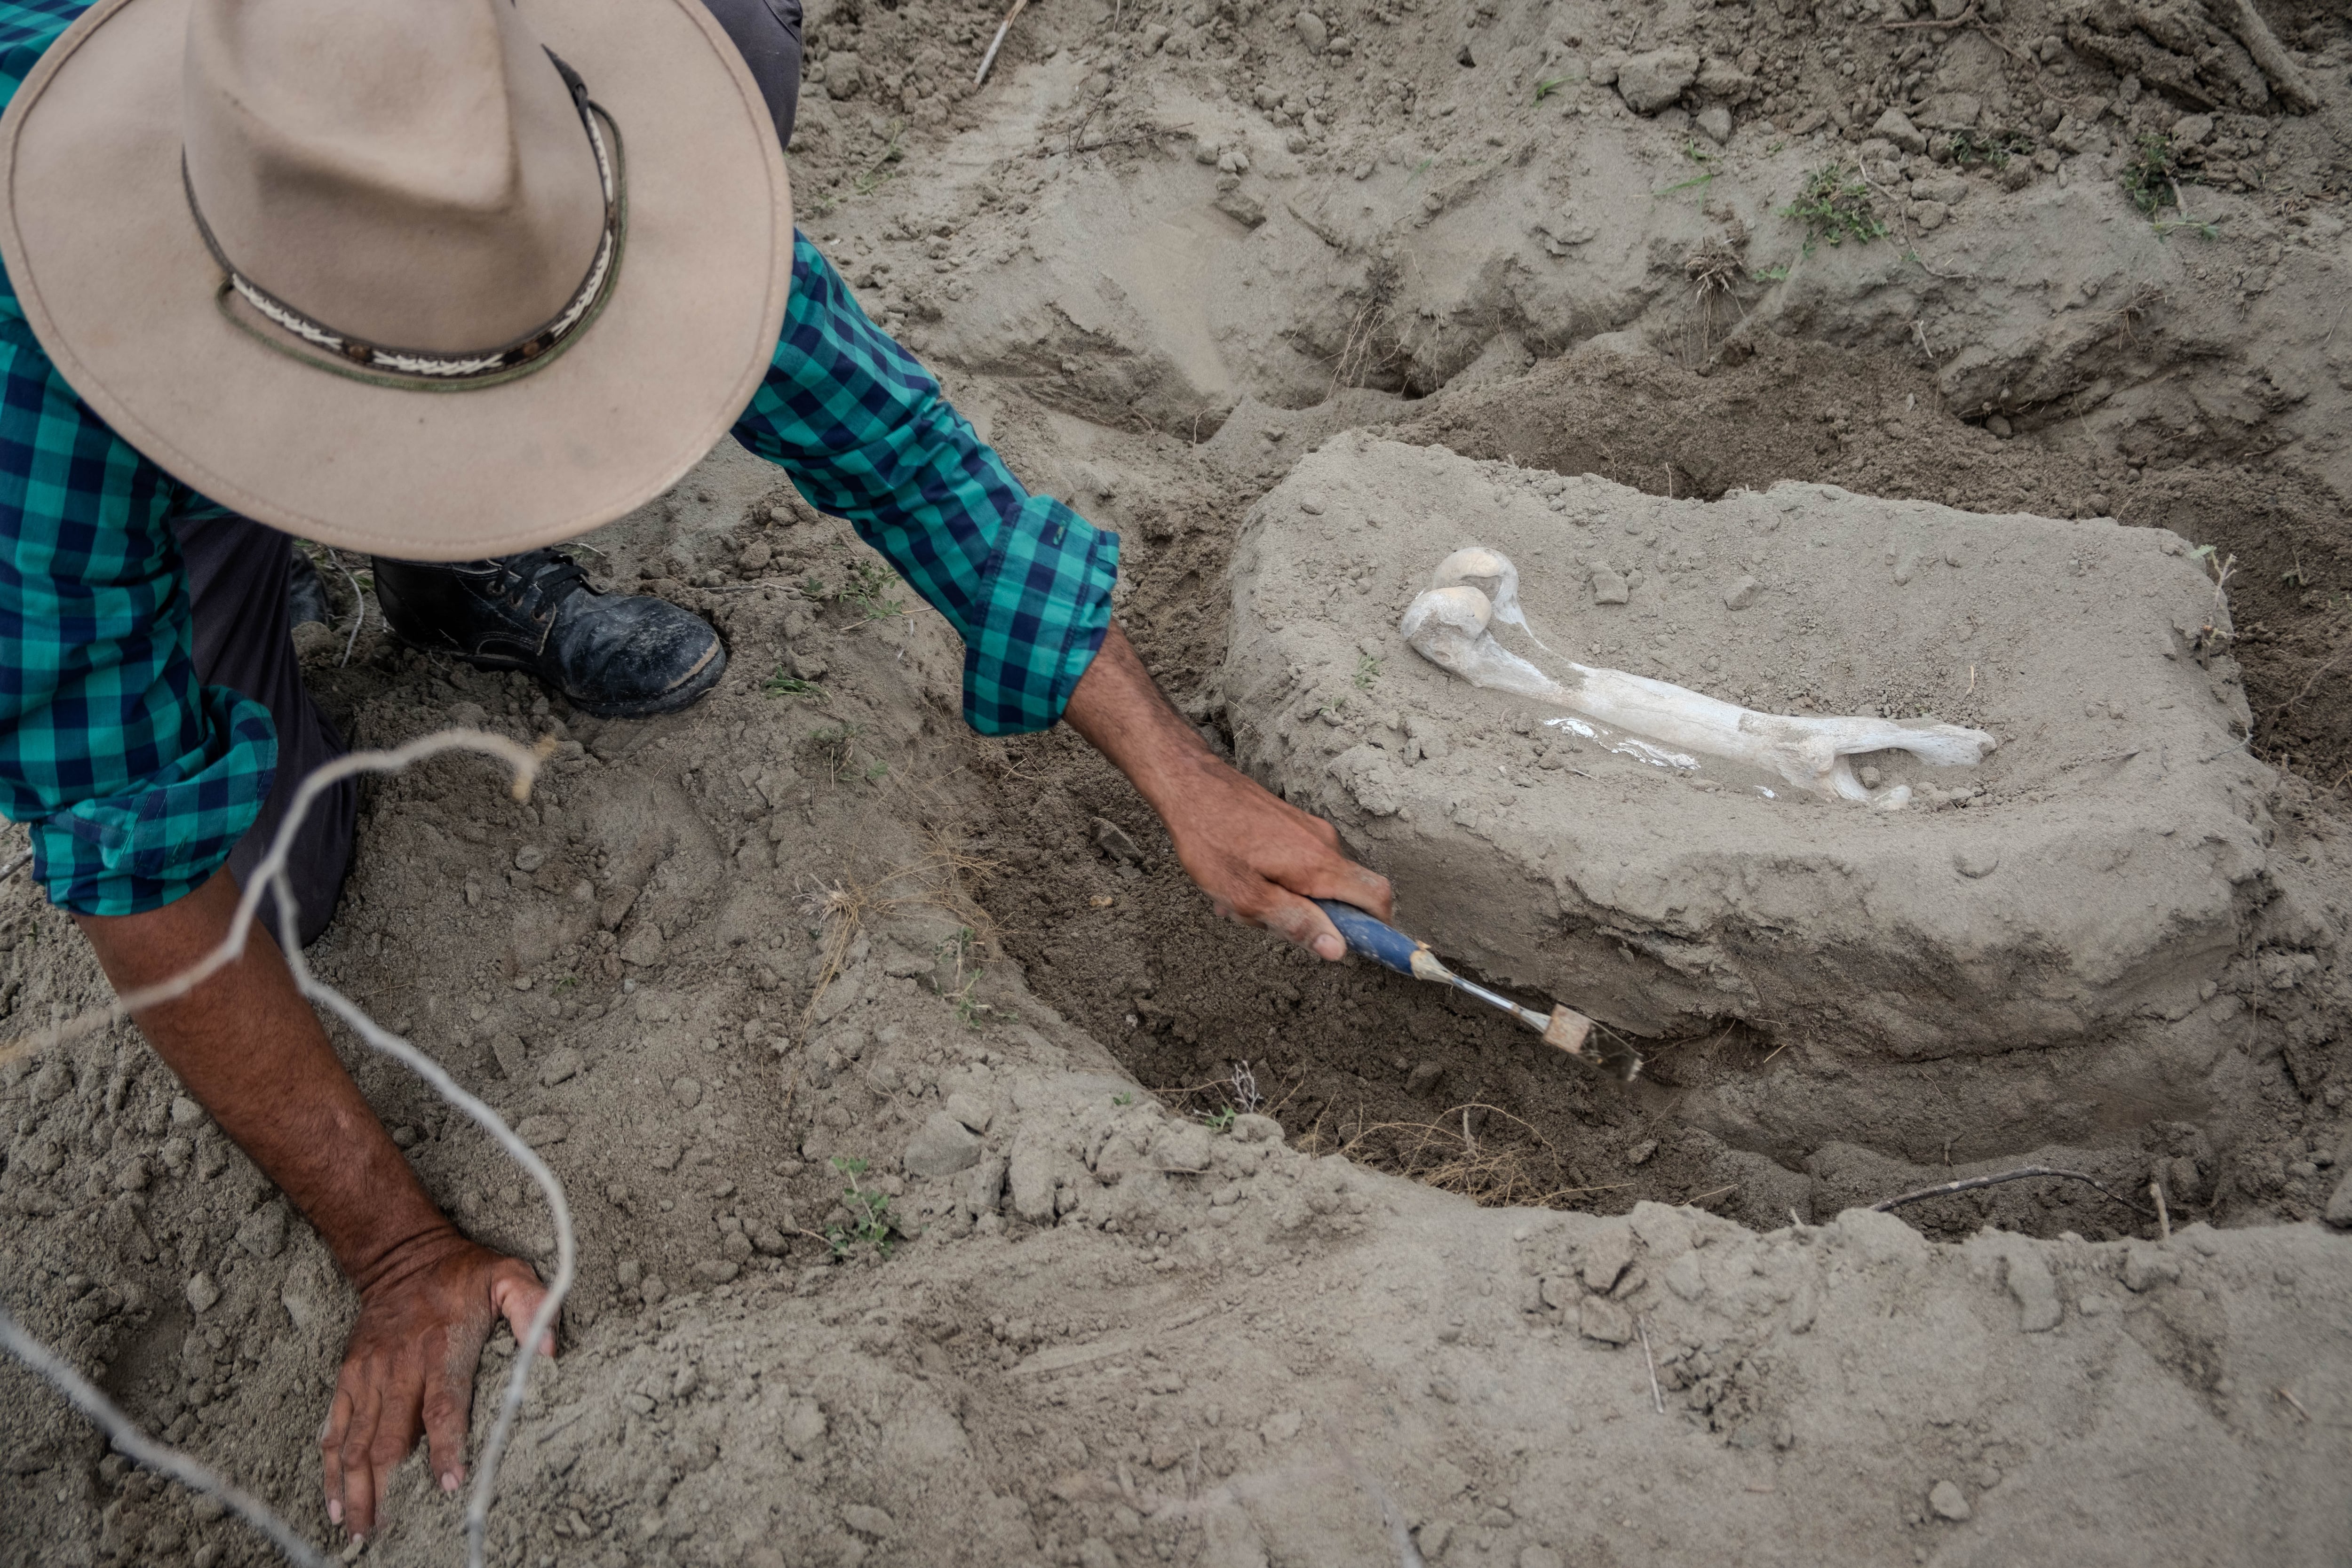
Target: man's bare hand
{"type": "Point", "coordinates": [1259, 860]}
{"type": "Point", "coordinates": [409, 1368]}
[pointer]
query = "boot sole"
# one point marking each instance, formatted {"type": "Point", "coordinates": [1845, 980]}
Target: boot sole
{"type": "Point", "coordinates": [698, 683]}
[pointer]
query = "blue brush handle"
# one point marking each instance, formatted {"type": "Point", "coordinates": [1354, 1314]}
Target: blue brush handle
{"type": "Point", "coordinates": [1374, 938]}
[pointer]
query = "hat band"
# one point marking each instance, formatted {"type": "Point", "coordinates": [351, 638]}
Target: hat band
{"type": "Point", "coordinates": [426, 368]}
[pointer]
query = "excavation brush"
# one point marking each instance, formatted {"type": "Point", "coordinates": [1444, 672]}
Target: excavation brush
{"type": "Point", "coordinates": [1564, 1028]}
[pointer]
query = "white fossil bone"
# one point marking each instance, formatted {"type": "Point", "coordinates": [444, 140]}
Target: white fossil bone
{"type": "Point", "coordinates": [1449, 627]}
{"type": "Point", "coordinates": [1491, 573]}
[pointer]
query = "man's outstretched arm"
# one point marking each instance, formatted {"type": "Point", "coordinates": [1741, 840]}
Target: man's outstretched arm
{"type": "Point", "coordinates": [1259, 859]}
{"type": "Point", "coordinates": [250, 1050]}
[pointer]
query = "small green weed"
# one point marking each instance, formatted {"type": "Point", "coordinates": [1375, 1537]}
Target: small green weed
{"type": "Point", "coordinates": [1222, 1119]}
{"type": "Point", "coordinates": [1835, 205]}
{"type": "Point", "coordinates": [782, 685]}
{"type": "Point", "coordinates": [878, 773]}
{"type": "Point", "coordinates": [957, 950]}
{"type": "Point", "coordinates": [870, 1212]}
{"type": "Point", "coordinates": [2149, 175]}
{"type": "Point", "coordinates": [2205, 228]}
{"type": "Point", "coordinates": [836, 743]}
{"type": "Point", "coordinates": [1367, 670]}
{"type": "Point", "coordinates": [1125, 1097]}
{"type": "Point", "coordinates": [1547, 87]}
{"type": "Point", "coordinates": [1695, 151]}
{"type": "Point", "coordinates": [1992, 149]}
{"type": "Point", "coordinates": [1694, 182]}
{"type": "Point", "coordinates": [1771, 274]}
{"type": "Point", "coordinates": [871, 177]}
{"type": "Point", "coordinates": [865, 590]}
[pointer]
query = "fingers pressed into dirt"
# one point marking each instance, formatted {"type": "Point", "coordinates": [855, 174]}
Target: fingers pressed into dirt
{"type": "Point", "coordinates": [448, 1404]}
{"type": "Point", "coordinates": [352, 1504]}
{"type": "Point", "coordinates": [409, 1369]}
{"type": "Point", "coordinates": [331, 1451]}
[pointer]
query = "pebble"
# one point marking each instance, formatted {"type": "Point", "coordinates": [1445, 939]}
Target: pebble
{"type": "Point", "coordinates": [940, 1147]}
{"type": "Point", "coordinates": [1742, 594]}
{"type": "Point", "coordinates": [971, 1112]}
{"type": "Point", "coordinates": [263, 1232]}
{"type": "Point", "coordinates": [557, 1066]}
{"type": "Point", "coordinates": [688, 1092]}
{"type": "Point", "coordinates": [1604, 1320]}
{"type": "Point", "coordinates": [185, 1112]}
{"type": "Point", "coordinates": [2037, 1293]}
{"type": "Point", "coordinates": [2339, 1206]}
{"type": "Point", "coordinates": [1606, 1257]}
{"type": "Point", "coordinates": [530, 858]}
{"type": "Point", "coordinates": [1256, 1129]}
{"type": "Point", "coordinates": [1608, 587]}
{"type": "Point", "coordinates": [203, 1292]}
{"type": "Point", "coordinates": [801, 1428]}
{"type": "Point", "coordinates": [867, 1519]}
{"type": "Point", "coordinates": [1948, 1501]}
{"type": "Point", "coordinates": [1975, 864]}
{"type": "Point", "coordinates": [539, 1131]}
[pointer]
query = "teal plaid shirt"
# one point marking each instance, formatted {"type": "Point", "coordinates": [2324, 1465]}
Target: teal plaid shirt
{"type": "Point", "coordinates": [137, 780]}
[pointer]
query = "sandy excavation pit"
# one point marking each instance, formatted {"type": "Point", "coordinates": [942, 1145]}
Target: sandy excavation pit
{"type": "Point", "coordinates": [2040, 935]}
{"type": "Point", "coordinates": [1165, 254]}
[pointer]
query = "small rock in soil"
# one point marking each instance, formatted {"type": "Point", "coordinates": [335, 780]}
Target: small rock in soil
{"type": "Point", "coordinates": [940, 1147]}
{"type": "Point", "coordinates": [1948, 1501]}
{"type": "Point", "coordinates": [1605, 1322]}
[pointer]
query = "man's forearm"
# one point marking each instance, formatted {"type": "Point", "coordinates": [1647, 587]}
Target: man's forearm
{"type": "Point", "coordinates": [1120, 710]}
{"type": "Point", "coordinates": [250, 1050]}
{"type": "Point", "coordinates": [1261, 860]}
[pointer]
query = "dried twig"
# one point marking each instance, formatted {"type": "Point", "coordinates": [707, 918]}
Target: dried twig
{"type": "Point", "coordinates": [359, 606]}
{"type": "Point", "coordinates": [16, 862]}
{"type": "Point", "coordinates": [1656, 1398]}
{"type": "Point", "coordinates": [2163, 1215]}
{"type": "Point", "coordinates": [1968, 1182]}
{"type": "Point", "coordinates": [997, 42]}
{"type": "Point", "coordinates": [1962, 20]}
{"type": "Point", "coordinates": [2288, 1394]}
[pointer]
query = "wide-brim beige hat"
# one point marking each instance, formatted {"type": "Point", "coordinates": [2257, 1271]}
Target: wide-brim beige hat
{"type": "Point", "coordinates": [100, 233]}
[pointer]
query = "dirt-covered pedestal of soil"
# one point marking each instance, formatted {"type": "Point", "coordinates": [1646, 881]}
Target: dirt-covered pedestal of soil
{"type": "Point", "coordinates": [2050, 926]}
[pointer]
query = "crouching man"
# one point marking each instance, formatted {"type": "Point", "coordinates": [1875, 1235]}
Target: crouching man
{"type": "Point", "coordinates": [446, 282]}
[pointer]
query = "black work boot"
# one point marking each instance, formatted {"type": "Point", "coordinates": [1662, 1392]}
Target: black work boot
{"type": "Point", "coordinates": [614, 655]}
{"type": "Point", "coordinates": [306, 594]}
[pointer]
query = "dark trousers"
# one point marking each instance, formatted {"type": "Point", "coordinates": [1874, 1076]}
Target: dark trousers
{"type": "Point", "coordinates": [237, 583]}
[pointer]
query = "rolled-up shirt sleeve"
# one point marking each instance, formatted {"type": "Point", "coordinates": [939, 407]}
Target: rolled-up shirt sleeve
{"type": "Point", "coordinates": [135, 780]}
{"type": "Point", "coordinates": [865, 434]}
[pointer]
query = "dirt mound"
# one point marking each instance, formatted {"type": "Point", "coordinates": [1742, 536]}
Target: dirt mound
{"type": "Point", "coordinates": [1670, 894]}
